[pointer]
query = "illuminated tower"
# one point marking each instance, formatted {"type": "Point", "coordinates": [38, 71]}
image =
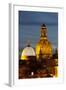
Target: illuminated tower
{"type": "Point", "coordinates": [43, 47]}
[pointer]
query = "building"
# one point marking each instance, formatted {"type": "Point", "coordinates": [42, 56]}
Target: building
{"type": "Point", "coordinates": [43, 47]}
{"type": "Point", "coordinates": [39, 62]}
{"type": "Point", "coordinates": [27, 62]}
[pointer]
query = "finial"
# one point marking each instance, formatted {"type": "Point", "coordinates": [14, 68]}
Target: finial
{"type": "Point", "coordinates": [43, 26]}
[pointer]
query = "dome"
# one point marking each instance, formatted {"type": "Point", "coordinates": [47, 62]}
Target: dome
{"type": "Point", "coordinates": [27, 51]}
{"type": "Point", "coordinates": [43, 47]}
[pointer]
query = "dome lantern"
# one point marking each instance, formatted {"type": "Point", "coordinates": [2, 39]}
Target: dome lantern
{"type": "Point", "coordinates": [43, 34]}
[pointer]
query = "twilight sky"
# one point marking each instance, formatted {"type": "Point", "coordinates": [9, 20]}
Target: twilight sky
{"type": "Point", "coordinates": [30, 24]}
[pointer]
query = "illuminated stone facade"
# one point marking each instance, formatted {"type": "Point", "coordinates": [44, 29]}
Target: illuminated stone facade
{"type": "Point", "coordinates": [39, 62]}
{"type": "Point", "coordinates": [43, 47]}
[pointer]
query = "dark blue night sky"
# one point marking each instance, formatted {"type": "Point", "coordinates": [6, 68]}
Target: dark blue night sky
{"type": "Point", "coordinates": [30, 24]}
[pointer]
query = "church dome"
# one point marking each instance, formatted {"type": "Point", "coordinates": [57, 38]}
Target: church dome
{"type": "Point", "coordinates": [27, 51]}
{"type": "Point", "coordinates": [43, 47]}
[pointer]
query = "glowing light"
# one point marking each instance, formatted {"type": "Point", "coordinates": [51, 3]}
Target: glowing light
{"type": "Point", "coordinates": [24, 58]}
{"type": "Point", "coordinates": [32, 73]}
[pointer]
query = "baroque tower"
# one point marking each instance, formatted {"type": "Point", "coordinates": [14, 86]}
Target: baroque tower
{"type": "Point", "coordinates": [43, 47]}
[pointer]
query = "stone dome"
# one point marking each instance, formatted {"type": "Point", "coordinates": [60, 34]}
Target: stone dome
{"type": "Point", "coordinates": [27, 51]}
{"type": "Point", "coordinates": [43, 47]}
